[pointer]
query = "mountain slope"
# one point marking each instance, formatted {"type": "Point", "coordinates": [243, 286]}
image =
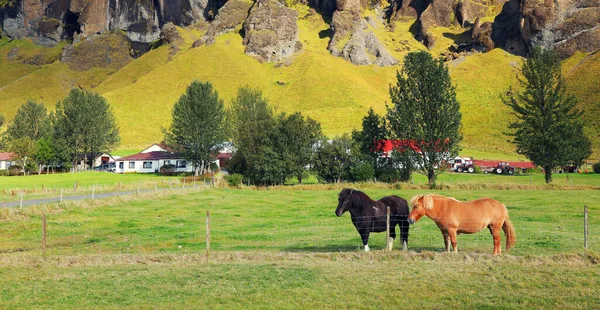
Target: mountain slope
{"type": "Point", "coordinates": [327, 88]}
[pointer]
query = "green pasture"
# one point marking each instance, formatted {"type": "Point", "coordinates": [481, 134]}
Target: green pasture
{"type": "Point", "coordinates": [285, 248]}
{"type": "Point", "coordinates": [68, 180]}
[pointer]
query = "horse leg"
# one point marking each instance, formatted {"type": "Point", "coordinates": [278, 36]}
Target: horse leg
{"type": "Point", "coordinates": [404, 226]}
{"type": "Point", "coordinates": [496, 235]}
{"type": "Point", "coordinates": [452, 235]}
{"type": "Point", "coordinates": [446, 240]}
{"type": "Point", "coordinates": [364, 235]}
{"type": "Point", "coordinates": [390, 241]}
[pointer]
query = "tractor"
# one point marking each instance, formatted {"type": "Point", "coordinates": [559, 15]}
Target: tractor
{"type": "Point", "coordinates": [503, 168]}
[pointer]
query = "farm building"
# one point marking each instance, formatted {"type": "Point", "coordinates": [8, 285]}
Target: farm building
{"type": "Point", "coordinates": [6, 160]}
{"type": "Point", "coordinates": [151, 159]}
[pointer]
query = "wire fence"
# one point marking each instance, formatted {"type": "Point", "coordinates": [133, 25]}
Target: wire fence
{"type": "Point", "coordinates": [29, 197]}
{"type": "Point", "coordinates": [223, 230]}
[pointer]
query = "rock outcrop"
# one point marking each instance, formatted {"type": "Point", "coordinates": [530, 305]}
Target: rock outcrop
{"type": "Point", "coordinates": [105, 51]}
{"type": "Point", "coordinates": [229, 16]}
{"type": "Point", "coordinates": [48, 22]}
{"type": "Point", "coordinates": [271, 31]}
{"type": "Point", "coordinates": [565, 25]}
{"type": "Point", "coordinates": [352, 39]}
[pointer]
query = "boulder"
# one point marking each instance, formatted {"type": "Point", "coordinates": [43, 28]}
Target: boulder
{"type": "Point", "coordinates": [354, 42]}
{"type": "Point", "coordinates": [271, 31]}
{"type": "Point", "coordinates": [229, 16]}
{"type": "Point", "coordinates": [482, 35]}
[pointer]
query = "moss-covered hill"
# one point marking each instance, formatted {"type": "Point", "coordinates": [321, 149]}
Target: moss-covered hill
{"type": "Point", "coordinates": [327, 88]}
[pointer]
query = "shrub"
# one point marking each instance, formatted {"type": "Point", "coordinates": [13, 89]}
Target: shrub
{"type": "Point", "coordinates": [362, 171]}
{"type": "Point", "coordinates": [234, 179]}
{"type": "Point", "coordinates": [15, 170]}
{"type": "Point", "coordinates": [3, 172]}
{"type": "Point", "coordinates": [596, 167]}
{"type": "Point", "coordinates": [167, 169]}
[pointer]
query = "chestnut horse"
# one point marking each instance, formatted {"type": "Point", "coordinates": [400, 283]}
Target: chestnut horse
{"type": "Point", "coordinates": [455, 217]}
{"type": "Point", "coordinates": [369, 215]}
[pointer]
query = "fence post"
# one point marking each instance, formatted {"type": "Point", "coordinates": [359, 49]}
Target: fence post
{"type": "Point", "coordinates": [44, 234]}
{"type": "Point", "coordinates": [93, 191]}
{"type": "Point", "coordinates": [138, 190]}
{"type": "Point", "coordinates": [21, 204]}
{"type": "Point", "coordinates": [388, 242]}
{"type": "Point", "coordinates": [155, 187]}
{"type": "Point", "coordinates": [207, 231]}
{"type": "Point", "coordinates": [170, 184]}
{"type": "Point", "coordinates": [182, 182]}
{"type": "Point", "coordinates": [61, 195]}
{"type": "Point", "coordinates": [585, 227]}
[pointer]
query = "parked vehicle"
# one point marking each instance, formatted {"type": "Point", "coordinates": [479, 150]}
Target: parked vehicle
{"type": "Point", "coordinates": [502, 168]}
{"type": "Point", "coordinates": [459, 164]}
{"type": "Point", "coordinates": [109, 167]}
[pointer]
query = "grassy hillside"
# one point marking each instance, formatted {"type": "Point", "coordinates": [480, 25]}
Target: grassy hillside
{"type": "Point", "coordinates": [327, 88]}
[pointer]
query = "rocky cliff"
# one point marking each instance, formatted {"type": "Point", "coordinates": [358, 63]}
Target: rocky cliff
{"type": "Point", "coordinates": [271, 33]}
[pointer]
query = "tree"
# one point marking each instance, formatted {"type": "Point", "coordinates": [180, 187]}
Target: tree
{"type": "Point", "coordinates": [425, 114]}
{"type": "Point", "coordinates": [333, 159]}
{"type": "Point", "coordinates": [252, 121]}
{"type": "Point", "coordinates": [43, 152]}
{"type": "Point", "coordinates": [29, 125]}
{"type": "Point", "coordinates": [548, 128]}
{"type": "Point", "coordinates": [372, 137]}
{"type": "Point", "coordinates": [31, 121]}
{"type": "Point", "coordinates": [84, 125]}
{"type": "Point", "coordinates": [198, 127]}
{"type": "Point", "coordinates": [296, 136]}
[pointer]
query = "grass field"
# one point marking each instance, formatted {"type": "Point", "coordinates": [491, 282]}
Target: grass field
{"type": "Point", "coordinates": [285, 248]}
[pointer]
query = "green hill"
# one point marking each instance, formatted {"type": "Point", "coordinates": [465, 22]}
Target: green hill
{"type": "Point", "coordinates": [327, 88]}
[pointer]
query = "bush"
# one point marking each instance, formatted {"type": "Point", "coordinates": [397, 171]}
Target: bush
{"type": "Point", "coordinates": [3, 172]}
{"type": "Point", "coordinates": [234, 179]}
{"type": "Point", "coordinates": [15, 170]}
{"type": "Point", "coordinates": [596, 167]}
{"type": "Point", "coordinates": [362, 171]}
{"type": "Point", "coordinates": [167, 169]}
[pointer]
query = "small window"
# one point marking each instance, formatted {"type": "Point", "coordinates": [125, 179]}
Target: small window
{"type": "Point", "coordinates": [121, 165]}
{"type": "Point", "coordinates": [147, 165]}
{"type": "Point", "coordinates": [132, 165]}
{"type": "Point", "coordinates": [181, 164]}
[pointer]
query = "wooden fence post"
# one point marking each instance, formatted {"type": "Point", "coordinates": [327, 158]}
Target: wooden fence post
{"type": "Point", "coordinates": [388, 242]}
{"type": "Point", "coordinates": [44, 234]}
{"type": "Point", "coordinates": [155, 187]}
{"type": "Point", "coordinates": [585, 227]}
{"type": "Point", "coordinates": [21, 204]}
{"type": "Point", "coordinates": [61, 195]}
{"type": "Point", "coordinates": [207, 230]}
{"type": "Point", "coordinates": [93, 191]}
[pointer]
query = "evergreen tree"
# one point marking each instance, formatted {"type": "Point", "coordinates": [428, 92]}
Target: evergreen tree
{"type": "Point", "coordinates": [548, 128]}
{"type": "Point", "coordinates": [371, 138]}
{"type": "Point", "coordinates": [84, 125]}
{"type": "Point", "coordinates": [425, 114]}
{"type": "Point", "coordinates": [198, 127]}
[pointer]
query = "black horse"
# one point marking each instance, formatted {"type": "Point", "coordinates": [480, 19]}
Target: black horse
{"type": "Point", "coordinates": [369, 215]}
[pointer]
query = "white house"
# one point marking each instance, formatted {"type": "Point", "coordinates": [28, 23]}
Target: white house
{"type": "Point", "coordinates": [6, 160]}
{"type": "Point", "coordinates": [151, 159]}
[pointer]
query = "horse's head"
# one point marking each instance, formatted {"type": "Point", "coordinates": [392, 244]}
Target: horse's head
{"type": "Point", "coordinates": [343, 201]}
{"type": "Point", "coordinates": [420, 205]}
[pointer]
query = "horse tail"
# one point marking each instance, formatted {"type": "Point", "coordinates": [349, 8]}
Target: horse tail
{"type": "Point", "coordinates": [509, 231]}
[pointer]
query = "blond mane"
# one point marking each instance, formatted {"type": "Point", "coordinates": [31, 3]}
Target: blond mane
{"type": "Point", "coordinates": [428, 200]}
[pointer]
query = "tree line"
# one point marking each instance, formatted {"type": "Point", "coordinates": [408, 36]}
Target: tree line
{"type": "Point", "coordinates": [422, 123]}
{"type": "Point", "coordinates": [81, 127]}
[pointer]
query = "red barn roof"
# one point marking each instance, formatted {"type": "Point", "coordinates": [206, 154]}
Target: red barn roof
{"type": "Point", "coordinates": [150, 156]}
{"type": "Point", "coordinates": [7, 156]}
